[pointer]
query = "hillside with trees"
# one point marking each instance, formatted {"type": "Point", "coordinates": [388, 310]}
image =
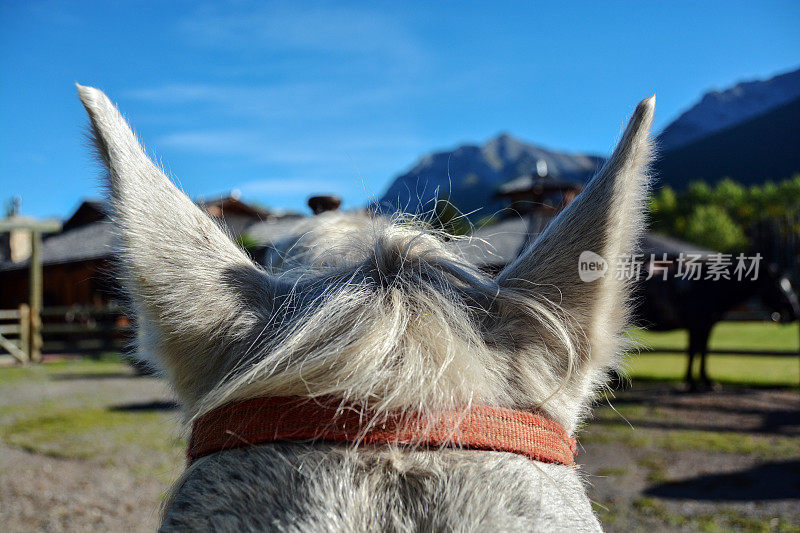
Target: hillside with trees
{"type": "Point", "coordinates": [727, 216]}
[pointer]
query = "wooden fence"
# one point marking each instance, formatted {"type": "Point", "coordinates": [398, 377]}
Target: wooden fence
{"type": "Point", "coordinates": [74, 329]}
{"type": "Point", "coordinates": [15, 332]}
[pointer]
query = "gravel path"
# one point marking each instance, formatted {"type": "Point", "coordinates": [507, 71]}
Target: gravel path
{"type": "Point", "coordinates": [49, 494]}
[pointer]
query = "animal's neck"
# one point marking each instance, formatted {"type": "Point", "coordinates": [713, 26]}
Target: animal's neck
{"type": "Point", "coordinates": [322, 487]}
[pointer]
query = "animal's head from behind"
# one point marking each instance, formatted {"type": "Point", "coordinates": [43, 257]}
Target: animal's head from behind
{"type": "Point", "coordinates": [374, 311]}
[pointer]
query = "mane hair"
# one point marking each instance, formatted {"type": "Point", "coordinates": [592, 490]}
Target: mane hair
{"type": "Point", "coordinates": [383, 313]}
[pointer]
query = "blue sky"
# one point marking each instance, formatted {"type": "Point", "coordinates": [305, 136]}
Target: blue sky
{"type": "Point", "coordinates": [281, 100]}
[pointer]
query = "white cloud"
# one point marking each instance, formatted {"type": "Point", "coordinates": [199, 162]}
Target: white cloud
{"type": "Point", "coordinates": [327, 30]}
{"type": "Point", "coordinates": [292, 185]}
{"type": "Point", "coordinates": [288, 100]}
{"type": "Point", "coordinates": [243, 143]}
{"type": "Point", "coordinates": [230, 94]}
{"type": "Point", "coordinates": [219, 142]}
{"type": "Point", "coordinates": [292, 72]}
{"type": "Point", "coordinates": [261, 148]}
{"type": "Point", "coordinates": [178, 93]}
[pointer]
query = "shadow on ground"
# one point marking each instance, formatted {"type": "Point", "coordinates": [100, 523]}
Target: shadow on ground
{"type": "Point", "coordinates": [732, 410]}
{"type": "Point", "coordinates": [767, 481]}
{"type": "Point", "coordinates": [145, 406]}
{"type": "Point", "coordinates": [777, 423]}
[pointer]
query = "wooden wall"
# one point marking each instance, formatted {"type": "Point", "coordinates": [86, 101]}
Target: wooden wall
{"type": "Point", "coordinates": [79, 283]}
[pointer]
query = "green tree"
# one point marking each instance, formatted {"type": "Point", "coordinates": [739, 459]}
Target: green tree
{"type": "Point", "coordinates": [699, 192]}
{"type": "Point", "coordinates": [712, 227]}
{"type": "Point", "coordinates": [734, 198]}
{"type": "Point", "coordinates": [664, 204]}
{"type": "Point", "coordinates": [789, 193]}
{"type": "Point", "coordinates": [722, 216]}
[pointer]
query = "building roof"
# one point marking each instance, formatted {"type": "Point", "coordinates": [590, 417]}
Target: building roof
{"type": "Point", "coordinates": [84, 243]}
{"type": "Point", "coordinates": [495, 245]}
{"type": "Point", "coordinates": [499, 244]}
{"type": "Point", "coordinates": [536, 184]}
{"type": "Point", "coordinates": [272, 231]}
{"type": "Point", "coordinates": [89, 211]}
{"type": "Point", "coordinates": [219, 207]}
{"type": "Point", "coordinates": [87, 235]}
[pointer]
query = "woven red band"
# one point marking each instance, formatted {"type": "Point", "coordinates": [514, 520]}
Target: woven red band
{"type": "Point", "coordinates": [260, 420]}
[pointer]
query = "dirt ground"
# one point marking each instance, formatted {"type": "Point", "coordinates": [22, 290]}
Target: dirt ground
{"type": "Point", "coordinates": [661, 459]}
{"type": "Point", "coordinates": [59, 481]}
{"type": "Point", "coordinates": [724, 460]}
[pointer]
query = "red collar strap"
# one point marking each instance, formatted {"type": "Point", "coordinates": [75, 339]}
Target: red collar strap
{"type": "Point", "coordinates": [260, 420]}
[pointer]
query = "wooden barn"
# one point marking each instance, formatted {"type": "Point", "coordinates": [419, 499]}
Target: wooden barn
{"type": "Point", "coordinates": [77, 266]}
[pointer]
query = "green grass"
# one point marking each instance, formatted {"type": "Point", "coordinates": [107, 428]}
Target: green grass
{"type": "Point", "coordinates": [84, 433]}
{"type": "Point", "coordinates": [766, 447]}
{"type": "Point", "coordinates": [722, 521]}
{"type": "Point", "coordinates": [108, 364]}
{"type": "Point", "coordinates": [612, 472]}
{"type": "Point", "coordinates": [660, 517]}
{"type": "Point", "coordinates": [761, 370]}
{"type": "Point", "coordinates": [730, 336]}
{"type": "Point", "coordinates": [79, 421]}
{"type": "Point", "coordinates": [731, 369]}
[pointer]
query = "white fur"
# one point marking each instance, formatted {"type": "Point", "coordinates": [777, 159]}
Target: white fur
{"type": "Point", "coordinates": [378, 312]}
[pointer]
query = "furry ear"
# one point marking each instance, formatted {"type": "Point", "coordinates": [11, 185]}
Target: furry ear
{"type": "Point", "coordinates": [197, 296]}
{"type": "Point", "coordinates": [606, 219]}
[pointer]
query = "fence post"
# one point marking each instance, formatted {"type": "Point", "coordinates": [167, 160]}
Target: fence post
{"type": "Point", "coordinates": [25, 330]}
{"type": "Point", "coordinates": [35, 297]}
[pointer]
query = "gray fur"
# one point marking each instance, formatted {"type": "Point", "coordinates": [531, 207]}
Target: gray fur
{"type": "Point", "coordinates": [333, 489]}
{"type": "Point", "coordinates": [380, 313]}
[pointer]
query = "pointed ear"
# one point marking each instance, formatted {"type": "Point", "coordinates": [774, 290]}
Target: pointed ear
{"type": "Point", "coordinates": [196, 295]}
{"type": "Point", "coordinates": [606, 218]}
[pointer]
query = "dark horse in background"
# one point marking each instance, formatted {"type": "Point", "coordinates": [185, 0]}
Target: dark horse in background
{"type": "Point", "coordinates": [696, 305]}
